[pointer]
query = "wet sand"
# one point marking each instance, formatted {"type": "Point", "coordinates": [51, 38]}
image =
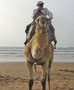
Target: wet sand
{"type": "Point", "coordinates": [15, 76]}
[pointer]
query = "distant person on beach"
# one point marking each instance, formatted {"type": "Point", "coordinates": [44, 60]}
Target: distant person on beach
{"type": "Point", "coordinates": [30, 29]}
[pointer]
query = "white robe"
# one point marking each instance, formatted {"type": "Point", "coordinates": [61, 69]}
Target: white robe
{"type": "Point", "coordinates": [45, 11]}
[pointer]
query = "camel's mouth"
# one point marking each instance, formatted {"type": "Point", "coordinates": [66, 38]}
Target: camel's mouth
{"type": "Point", "coordinates": [43, 22]}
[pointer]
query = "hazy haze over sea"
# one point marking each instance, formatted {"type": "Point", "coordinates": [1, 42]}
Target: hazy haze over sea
{"type": "Point", "coordinates": [16, 54]}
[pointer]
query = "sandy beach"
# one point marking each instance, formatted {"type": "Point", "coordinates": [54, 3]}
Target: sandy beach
{"type": "Point", "coordinates": [14, 76]}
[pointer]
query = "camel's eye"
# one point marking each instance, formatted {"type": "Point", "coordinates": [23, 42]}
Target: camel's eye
{"type": "Point", "coordinates": [39, 49]}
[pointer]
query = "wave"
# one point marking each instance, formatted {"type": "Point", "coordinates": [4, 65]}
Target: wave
{"type": "Point", "coordinates": [20, 51]}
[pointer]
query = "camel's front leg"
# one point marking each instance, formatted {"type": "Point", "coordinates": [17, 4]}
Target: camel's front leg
{"type": "Point", "coordinates": [49, 68]}
{"type": "Point", "coordinates": [45, 71]}
{"type": "Point", "coordinates": [30, 67]}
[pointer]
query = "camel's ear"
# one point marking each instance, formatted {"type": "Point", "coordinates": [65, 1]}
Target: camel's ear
{"type": "Point", "coordinates": [37, 20]}
{"type": "Point", "coordinates": [47, 20]}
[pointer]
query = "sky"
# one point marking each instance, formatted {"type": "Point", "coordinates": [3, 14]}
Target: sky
{"type": "Point", "coordinates": [15, 15]}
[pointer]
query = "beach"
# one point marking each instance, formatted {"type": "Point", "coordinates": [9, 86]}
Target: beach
{"type": "Point", "coordinates": [15, 76]}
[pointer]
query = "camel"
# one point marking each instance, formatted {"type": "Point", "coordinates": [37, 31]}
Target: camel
{"type": "Point", "coordinates": [39, 50]}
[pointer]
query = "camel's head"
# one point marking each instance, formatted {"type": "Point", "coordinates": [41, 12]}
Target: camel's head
{"type": "Point", "coordinates": [42, 22]}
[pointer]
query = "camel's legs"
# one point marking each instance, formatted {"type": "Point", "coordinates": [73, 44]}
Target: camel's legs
{"type": "Point", "coordinates": [30, 68]}
{"type": "Point", "coordinates": [49, 68]}
{"type": "Point", "coordinates": [45, 69]}
{"type": "Point", "coordinates": [50, 63]}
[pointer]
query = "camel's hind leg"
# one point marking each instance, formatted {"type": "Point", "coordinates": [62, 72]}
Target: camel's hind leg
{"type": "Point", "coordinates": [30, 68]}
{"type": "Point", "coordinates": [49, 68]}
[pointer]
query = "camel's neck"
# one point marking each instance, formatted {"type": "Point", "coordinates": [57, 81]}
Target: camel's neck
{"type": "Point", "coordinates": [42, 39]}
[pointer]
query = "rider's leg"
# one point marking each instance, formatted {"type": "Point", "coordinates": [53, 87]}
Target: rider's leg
{"type": "Point", "coordinates": [30, 33]}
{"type": "Point", "coordinates": [27, 28]}
{"type": "Point", "coordinates": [26, 31]}
{"type": "Point", "coordinates": [53, 33]}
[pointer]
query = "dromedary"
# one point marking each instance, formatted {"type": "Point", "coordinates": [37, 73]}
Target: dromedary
{"type": "Point", "coordinates": [39, 50]}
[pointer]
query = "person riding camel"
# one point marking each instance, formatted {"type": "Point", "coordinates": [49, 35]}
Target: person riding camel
{"type": "Point", "coordinates": [30, 29]}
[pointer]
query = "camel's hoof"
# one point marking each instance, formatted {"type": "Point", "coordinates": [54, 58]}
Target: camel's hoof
{"type": "Point", "coordinates": [30, 84]}
{"type": "Point", "coordinates": [43, 84]}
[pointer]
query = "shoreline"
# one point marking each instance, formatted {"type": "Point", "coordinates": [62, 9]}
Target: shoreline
{"type": "Point", "coordinates": [25, 62]}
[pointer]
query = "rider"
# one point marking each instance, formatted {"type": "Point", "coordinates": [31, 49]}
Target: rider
{"type": "Point", "coordinates": [37, 12]}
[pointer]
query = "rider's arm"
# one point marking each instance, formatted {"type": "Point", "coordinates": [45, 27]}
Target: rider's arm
{"type": "Point", "coordinates": [34, 13]}
{"type": "Point", "coordinates": [49, 13]}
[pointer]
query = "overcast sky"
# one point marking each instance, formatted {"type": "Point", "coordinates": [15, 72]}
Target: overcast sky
{"type": "Point", "coordinates": [16, 14]}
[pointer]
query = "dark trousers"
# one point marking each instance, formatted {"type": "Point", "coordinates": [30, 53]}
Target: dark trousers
{"type": "Point", "coordinates": [33, 31]}
{"type": "Point", "coordinates": [27, 28]}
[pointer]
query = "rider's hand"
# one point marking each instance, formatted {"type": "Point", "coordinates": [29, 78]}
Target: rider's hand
{"type": "Point", "coordinates": [55, 42]}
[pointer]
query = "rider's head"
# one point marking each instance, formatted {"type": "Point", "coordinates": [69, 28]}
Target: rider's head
{"type": "Point", "coordinates": [40, 4]}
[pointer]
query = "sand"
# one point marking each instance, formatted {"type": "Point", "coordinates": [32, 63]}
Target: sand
{"type": "Point", "coordinates": [15, 76]}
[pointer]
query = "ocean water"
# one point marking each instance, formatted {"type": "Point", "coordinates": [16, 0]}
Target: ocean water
{"type": "Point", "coordinates": [16, 54]}
{"type": "Point", "coordinates": [12, 54]}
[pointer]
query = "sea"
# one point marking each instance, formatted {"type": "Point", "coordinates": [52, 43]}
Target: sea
{"type": "Point", "coordinates": [16, 54]}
